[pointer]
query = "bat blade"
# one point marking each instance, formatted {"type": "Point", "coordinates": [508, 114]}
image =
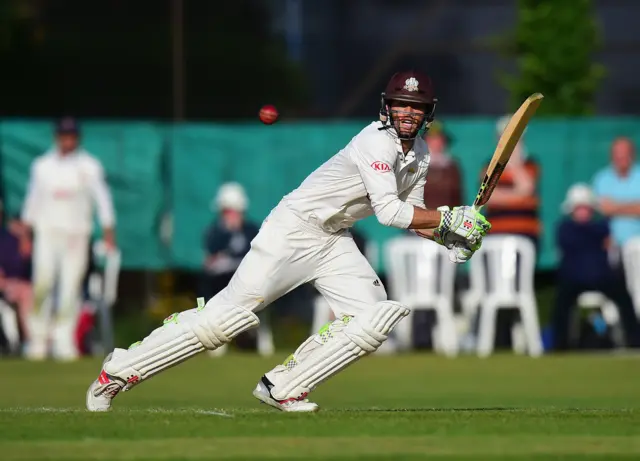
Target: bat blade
{"type": "Point", "coordinates": [506, 144]}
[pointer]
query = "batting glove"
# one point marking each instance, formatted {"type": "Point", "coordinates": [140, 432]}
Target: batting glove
{"type": "Point", "coordinates": [461, 224]}
{"type": "Point", "coordinates": [460, 253]}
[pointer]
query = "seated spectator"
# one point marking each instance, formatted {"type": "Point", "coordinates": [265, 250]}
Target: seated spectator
{"type": "Point", "coordinates": [228, 239]}
{"type": "Point", "coordinates": [618, 190]}
{"type": "Point", "coordinates": [583, 241]}
{"type": "Point", "coordinates": [444, 181]}
{"type": "Point", "coordinates": [15, 269]}
{"type": "Point", "coordinates": [513, 207]}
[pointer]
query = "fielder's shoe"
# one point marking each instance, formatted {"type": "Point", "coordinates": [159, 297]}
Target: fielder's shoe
{"type": "Point", "coordinates": [103, 390]}
{"type": "Point", "coordinates": [263, 393]}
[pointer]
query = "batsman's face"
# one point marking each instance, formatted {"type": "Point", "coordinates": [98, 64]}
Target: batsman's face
{"type": "Point", "coordinates": [407, 116]}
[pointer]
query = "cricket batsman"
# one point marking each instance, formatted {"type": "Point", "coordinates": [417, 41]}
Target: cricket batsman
{"type": "Point", "coordinates": [306, 239]}
{"type": "Point", "coordinates": [65, 185]}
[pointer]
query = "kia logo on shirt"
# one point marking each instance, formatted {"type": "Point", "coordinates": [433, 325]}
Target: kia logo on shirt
{"type": "Point", "coordinates": [381, 166]}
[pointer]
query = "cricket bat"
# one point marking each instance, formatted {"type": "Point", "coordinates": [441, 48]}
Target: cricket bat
{"type": "Point", "coordinates": [504, 149]}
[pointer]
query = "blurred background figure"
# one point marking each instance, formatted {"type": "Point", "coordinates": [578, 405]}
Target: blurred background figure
{"type": "Point", "coordinates": [66, 184]}
{"type": "Point", "coordinates": [15, 268]}
{"type": "Point", "coordinates": [514, 205]}
{"type": "Point", "coordinates": [444, 183]}
{"type": "Point", "coordinates": [583, 241]}
{"type": "Point", "coordinates": [228, 238]}
{"type": "Point", "coordinates": [618, 190]}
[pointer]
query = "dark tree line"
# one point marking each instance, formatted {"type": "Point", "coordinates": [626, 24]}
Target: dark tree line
{"type": "Point", "coordinates": [113, 58]}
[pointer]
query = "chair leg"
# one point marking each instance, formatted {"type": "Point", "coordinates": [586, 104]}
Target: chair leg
{"type": "Point", "coordinates": [448, 333]}
{"type": "Point", "coordinates": [486, 329]}
{"type": "Point", "coordinates": [610, 312]}
{"type": "Point", "coordinates": [518, 338]}
{"type": "Point", "coordinates": [10, 327]}
{"type": "Point", "coordinates": [403, 333]}
{"type": "Point", "coordinates": [265, 340]}
{"type": "Point", "coordinates": [321, 313]}
{"type": "Point", "coordinates": [531, 324]}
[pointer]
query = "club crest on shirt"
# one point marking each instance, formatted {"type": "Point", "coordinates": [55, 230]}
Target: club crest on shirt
{"type": "Point", "coordinates": [382, 167]}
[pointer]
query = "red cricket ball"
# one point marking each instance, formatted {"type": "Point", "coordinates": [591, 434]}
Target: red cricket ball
{"type": "Point", "coordinates": [268, 114]}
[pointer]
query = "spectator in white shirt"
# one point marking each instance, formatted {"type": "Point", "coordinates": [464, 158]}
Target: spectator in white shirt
{"type": "Point", "coordinates": [66, 184]}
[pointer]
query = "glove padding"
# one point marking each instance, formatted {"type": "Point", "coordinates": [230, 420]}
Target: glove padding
{"type": "Point", "coordinates": [459, 253]}
{"type": "Point", "coordinates": [464, 223]}
{"type": "Point", "coordinates": [460, 248]}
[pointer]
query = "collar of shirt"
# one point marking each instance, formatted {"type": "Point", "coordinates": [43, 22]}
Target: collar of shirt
{"type": "Point", "coordinates": [633, 172]}
{"type": "Point", "coordinates": [55, 153]}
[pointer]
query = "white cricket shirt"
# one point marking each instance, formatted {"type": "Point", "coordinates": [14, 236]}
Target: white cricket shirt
{"type": "Point", "coordinates": [371, 175]}
{"type": "Point", "coordinates": [63, 191]}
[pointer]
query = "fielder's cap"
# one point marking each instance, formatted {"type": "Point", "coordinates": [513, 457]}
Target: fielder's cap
{"type": "Point", "coordinates": [67, 125]}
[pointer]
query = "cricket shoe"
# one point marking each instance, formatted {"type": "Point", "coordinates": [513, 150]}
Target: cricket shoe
{"type": "Point", "coordinates": [262, 392]}
{"type": "Point", "coordinates": [104, 389]}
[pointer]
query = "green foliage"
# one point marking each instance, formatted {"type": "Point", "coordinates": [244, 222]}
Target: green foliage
{"type": "Point", "coordinates": [553, 43]}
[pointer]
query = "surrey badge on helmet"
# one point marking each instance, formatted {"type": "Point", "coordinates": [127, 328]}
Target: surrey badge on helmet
{"type": "Point", "coordinates": [411, 84]}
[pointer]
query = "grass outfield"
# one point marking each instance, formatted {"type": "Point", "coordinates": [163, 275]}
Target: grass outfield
{"type": "Point", "coordinates": [407, 407]}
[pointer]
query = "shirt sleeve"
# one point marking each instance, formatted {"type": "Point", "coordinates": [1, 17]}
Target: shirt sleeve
{"type": "Point", "coordinates": [102, 197]}
{"type": "Point", "coordinates": [29, 208]}
{"type": "Point", "coordinates": [380, 183]}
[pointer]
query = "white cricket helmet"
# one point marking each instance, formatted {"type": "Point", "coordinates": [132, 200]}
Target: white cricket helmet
{"type": "Point", "coordinates": [231, 196]}
{"type": "Point", "coordinates": [579, 194]}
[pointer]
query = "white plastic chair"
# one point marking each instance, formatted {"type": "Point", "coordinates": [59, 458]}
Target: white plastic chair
{"type": "Point", "coordinates": [631, 262]}
{"type": "Point", "coordinates": [507, 286]}
{"type": "Point", "coordinates": [265, 345]}
{"type": "Point", "coordinates": [421, 276]}
{"type": "Point", "coordinates": [103, 288]}
{"type": "Point", "coordinates": [597, 300]}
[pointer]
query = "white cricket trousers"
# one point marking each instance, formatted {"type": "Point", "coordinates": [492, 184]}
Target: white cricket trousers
{"type": "Point", "coordinates": [58, 257]}
{"type": "Point", "coordinates": [288, 252]}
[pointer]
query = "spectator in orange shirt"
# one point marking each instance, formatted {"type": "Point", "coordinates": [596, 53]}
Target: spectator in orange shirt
{"type": "Point", "coordinates": [444, 181]}
{"type": "Point", "coordinates": [514, 204]}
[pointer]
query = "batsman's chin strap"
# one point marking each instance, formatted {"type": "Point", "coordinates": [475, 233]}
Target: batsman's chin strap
{"type": "Point", "coordinates": [394, 132]}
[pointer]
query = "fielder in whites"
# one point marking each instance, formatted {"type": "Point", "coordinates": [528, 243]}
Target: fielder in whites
{"type": "Point", "coordinates": [306, 239]}
{"type": "Point", "coordinates": [65, 187]}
